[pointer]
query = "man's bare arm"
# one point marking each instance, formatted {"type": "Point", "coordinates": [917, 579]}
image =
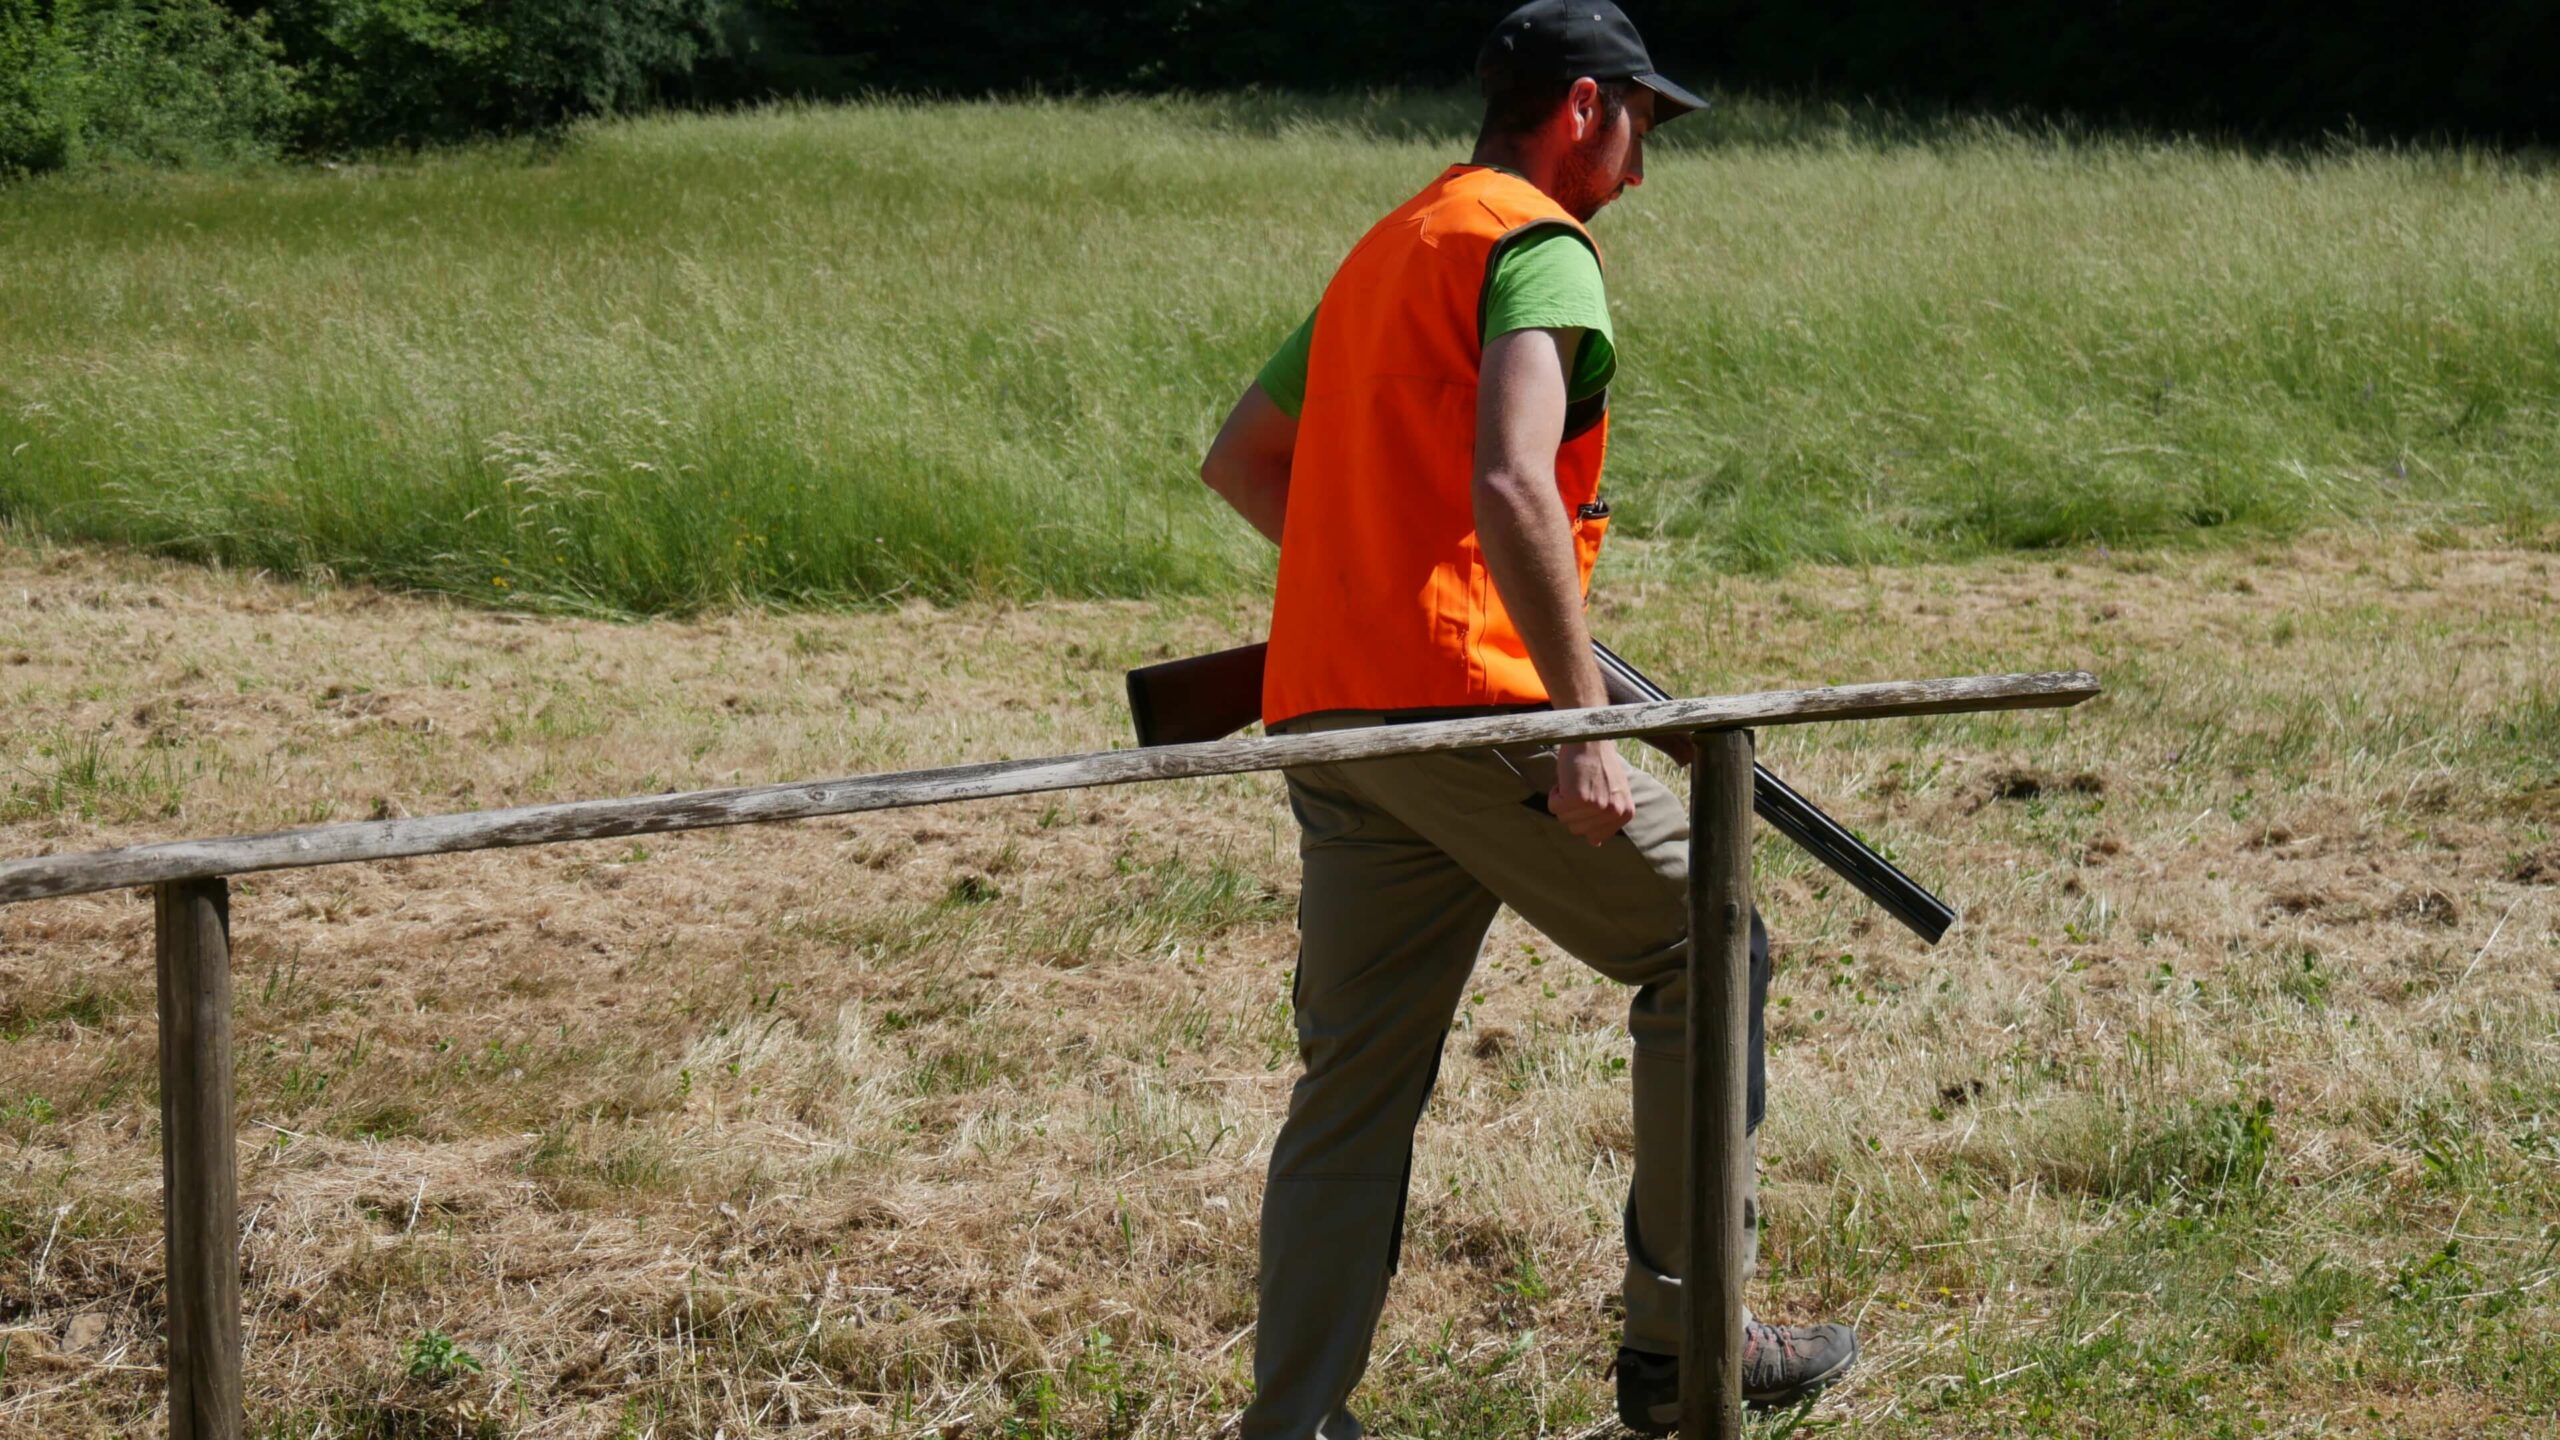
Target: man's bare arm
{"type": "Point", "coordinates": [1248, 464]}
{"type": "Point", "coordinates": [1527, 539]}
{"type": "Point", "coordinates": [1528, 545]}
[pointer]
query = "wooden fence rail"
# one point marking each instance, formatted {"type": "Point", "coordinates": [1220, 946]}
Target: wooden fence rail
{"type": "Point", "coordinates": [193, 929]}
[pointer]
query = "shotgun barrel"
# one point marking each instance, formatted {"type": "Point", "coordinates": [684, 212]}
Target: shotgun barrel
{"type": "Point", "coordinates": [1800, 820]}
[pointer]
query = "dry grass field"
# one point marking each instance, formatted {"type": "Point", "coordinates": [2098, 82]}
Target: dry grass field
{"type": "Point", "coordinates": [2231, 1109]}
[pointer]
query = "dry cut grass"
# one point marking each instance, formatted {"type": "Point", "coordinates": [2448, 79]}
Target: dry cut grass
{"type": "Point", "coordinates": [2233, 1108]}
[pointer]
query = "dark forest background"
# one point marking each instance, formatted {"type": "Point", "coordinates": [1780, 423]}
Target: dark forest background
{"type": "Point", "coordinates": [2287, 69]}
{"type": "Point", "coordinates": [86, 82]}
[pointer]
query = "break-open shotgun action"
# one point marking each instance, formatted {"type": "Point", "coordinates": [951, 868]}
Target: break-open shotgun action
{"type": "Point", "coordinates": [1208, 697]}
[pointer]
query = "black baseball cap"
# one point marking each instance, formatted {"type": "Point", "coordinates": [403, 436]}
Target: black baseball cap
{"type": "Point", "coordinates": [1561, 41]}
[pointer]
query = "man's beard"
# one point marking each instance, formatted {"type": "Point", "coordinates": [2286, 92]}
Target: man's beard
{"type": "Point", "coordinates": [1578, 178]}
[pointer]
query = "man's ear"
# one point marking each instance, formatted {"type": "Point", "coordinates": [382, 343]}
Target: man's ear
{"type": "Point", "coordinates": [1582, 108]}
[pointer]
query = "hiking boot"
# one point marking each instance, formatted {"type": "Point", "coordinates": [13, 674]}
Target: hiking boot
{"type": "Point", "coordinates": [1781, 1365]}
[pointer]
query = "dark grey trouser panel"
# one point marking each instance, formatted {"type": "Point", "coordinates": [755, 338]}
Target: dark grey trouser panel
{"type": "Point", "coordinates": [1406, 863]}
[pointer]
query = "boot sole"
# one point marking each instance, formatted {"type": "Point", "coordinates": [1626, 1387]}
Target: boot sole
{"type": "Point", "coordinates": [1757, 1404]}
{"type": "Point", "coordinates": [1803, 1391]}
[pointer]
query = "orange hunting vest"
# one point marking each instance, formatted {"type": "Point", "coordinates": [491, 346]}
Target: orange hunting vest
{"type": "Point", "coordinates": [1384, 601]}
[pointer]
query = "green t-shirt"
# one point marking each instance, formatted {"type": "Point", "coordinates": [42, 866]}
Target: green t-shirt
{"type": "Point", "coordinates": [1546, 282]}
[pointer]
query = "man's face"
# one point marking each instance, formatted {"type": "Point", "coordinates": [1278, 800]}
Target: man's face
{"type": "Point", "coordinates": [1604, 153]}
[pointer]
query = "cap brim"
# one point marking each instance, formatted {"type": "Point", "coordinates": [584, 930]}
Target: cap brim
{"type": "Point", "coordinates": [1670, 101]}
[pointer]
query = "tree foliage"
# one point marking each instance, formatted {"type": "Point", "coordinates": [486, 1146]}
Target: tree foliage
{"type": "Point", "coordinates": [149, 82]}
{"type": "Point", "coordinates": [177, 81]}
{"type": "Point", "coordinates": [409, 72]}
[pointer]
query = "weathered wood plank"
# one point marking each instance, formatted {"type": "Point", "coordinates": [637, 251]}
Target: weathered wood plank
{"type": "Point", "coordinates": [54, 875]}
{"type": "Point", "coordinates": [199, 1190]}
{"type": "Point", "coordinates": [1719, 1148]}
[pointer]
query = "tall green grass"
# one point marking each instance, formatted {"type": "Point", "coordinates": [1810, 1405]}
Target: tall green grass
{"type": "Point", "coordinates": [818, 356]}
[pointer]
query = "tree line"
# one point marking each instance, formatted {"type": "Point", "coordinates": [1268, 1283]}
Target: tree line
{"type": "Point", "coordinates": [176, 82]}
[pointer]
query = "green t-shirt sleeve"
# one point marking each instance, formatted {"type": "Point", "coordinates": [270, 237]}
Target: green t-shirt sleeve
{"type": "Point", "coordinates": [1551, 281]}
{"type": "Point", "coordinates": [1284, 375]}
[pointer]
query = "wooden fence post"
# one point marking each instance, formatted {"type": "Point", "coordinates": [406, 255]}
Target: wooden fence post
{"type": "Point", "coordinates": [1719, 1166]}
{"type": "Point", "coordinates": [198, 1181]}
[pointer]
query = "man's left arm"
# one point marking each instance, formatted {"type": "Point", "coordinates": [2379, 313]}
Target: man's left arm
{"type": "Point", "coordinates": [1528, 545]}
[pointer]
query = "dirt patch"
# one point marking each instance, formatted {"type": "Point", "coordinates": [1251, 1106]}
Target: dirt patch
{"type": "Point", "coordinates": [2014, 782]}
{"type": "Point", "coordinates": [2426, 905]}
{"type": "Point", "coordinates": [2542, 867]}
{"type": "Point", "coordinates": [2299, 901]}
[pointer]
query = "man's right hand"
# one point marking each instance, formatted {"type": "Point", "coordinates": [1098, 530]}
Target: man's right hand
{"type": "Point", "coordinates": [1591, 797]}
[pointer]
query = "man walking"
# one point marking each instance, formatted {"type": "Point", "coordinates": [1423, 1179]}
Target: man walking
{"type": "Point", "coordinates": [1426, 450]}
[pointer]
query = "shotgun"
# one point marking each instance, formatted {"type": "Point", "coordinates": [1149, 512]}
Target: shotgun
{"type": "Point", "coordinates": [1207, 697]}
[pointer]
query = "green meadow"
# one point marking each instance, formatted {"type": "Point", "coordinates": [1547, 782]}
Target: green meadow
{"type": "Point", "coordinates": [830, 356]}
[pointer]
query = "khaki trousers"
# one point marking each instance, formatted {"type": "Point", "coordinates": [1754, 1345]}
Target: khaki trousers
{"type": "Point", "coordinates": [1406, 862]}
